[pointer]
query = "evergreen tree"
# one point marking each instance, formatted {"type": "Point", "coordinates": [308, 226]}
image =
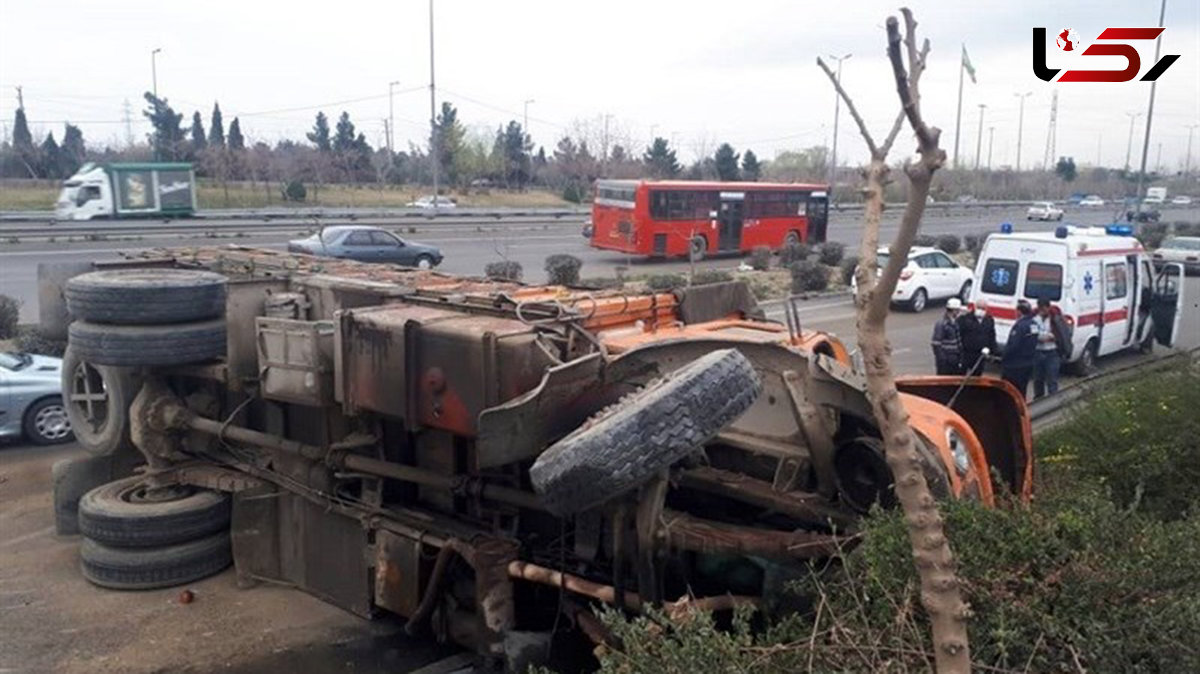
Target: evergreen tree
{"type": "Point", "coordinates": [236, 141]}
{"type": "Point", "coordinates": [199, 141]}
{"type": "Point", "coordinates": [726, 162]}
{"type": "Point", "coordinates": [661, 160]}
{"type": "Point", "coordinates": [514, 145]}
{"type": "Point", "coordinates": [751, 168]}
{"type": "Point", "coordinates": [216, 128]}
{"type": "Point", "coordinates": [22, 139]}
{"type": "Point", "coordinates": [74, 152]}
{"type": "Point", "coordinates": [168, 136]}
{"type": "Point", "coordinates": [1065, 169]}
{"type": "Point", "coordinates": [565, 152]}
{"type": "Point", "coordinates": [343, 137]}
{"type": "Point", "coordinates": [618, 154]}
{"type": "Point", "coordinates": [51, 158]}
{"type": "Point", "coordinates": [319, 136]}
{"type": "Point", "coordinates": [450, 135]}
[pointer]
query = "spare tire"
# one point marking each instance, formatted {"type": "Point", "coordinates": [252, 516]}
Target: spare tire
{"type": "Point", "coordinates": [125, 513]}
{"type": "Point", "coordinates": [149, 568]}
{"type": "Point", "coordinates": [146, 296]}
{"type": "Point", "coordinates": [133, 345]}
{"type": "Point", "coordinates": [628, 443]}
{"type": "Point", "coordinates": [97, 399]}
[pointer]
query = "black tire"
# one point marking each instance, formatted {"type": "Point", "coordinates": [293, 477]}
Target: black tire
{"type": "Point", "coordinates": [426, 259]}
{"type": "Point", "coordinates": [150, 568]}
{"type": "Point", "coordinates": [72, 478]}
{"type": "Point", "coordinates": [1086, 365]}
{"type": "Point", "coordinates": [919, 301]}
{"type": "Point", "coordinates": [125, 514]}
{"type": "Point", "coordinates": [97, 403]}
{"type": "Point", "coordinates": [697, 248]}
{"type": "Point", "coordinates": [134, 345]}
{"type": "Point", "coordinates": [146, 296]}
{"type": "Point", "coordinates": [46, 422]}
{"type": "Point", "coordinates": [631, 441]}
{"type": "Point", "coordinates": [791, 239]}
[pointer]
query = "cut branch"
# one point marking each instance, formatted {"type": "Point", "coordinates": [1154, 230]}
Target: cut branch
{"type": "Point", "coordinates": [862, 127]}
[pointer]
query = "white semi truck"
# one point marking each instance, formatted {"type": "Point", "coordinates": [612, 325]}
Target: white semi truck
{"type": "Point", "coordinates": [128, 190]}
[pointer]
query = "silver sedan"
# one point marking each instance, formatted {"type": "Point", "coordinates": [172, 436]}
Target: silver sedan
{"type": "Point", "coordinates": [31, 401]}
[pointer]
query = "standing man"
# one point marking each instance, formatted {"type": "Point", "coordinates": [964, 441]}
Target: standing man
{"type": "Point", "coordinates": [977, 330]}
{"type": "Point", "coordinates": [947, 346]}
{"type": "Point", "coordinates": [1053, 339]}
{"type": "Point", "coordinates": [1019, 351]}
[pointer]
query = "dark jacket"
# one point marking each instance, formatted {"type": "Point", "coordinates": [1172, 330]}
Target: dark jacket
{"type": "Point", "coordinates": [1021, 345]}
{"type": "Point", "coordinates": [976, 335]}
{"type": "Point", "coordinates": [946, 343]}
{"type": "Point", "coordinates": [1062, 333]}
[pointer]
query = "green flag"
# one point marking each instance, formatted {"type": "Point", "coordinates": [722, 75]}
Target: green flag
{"type": "Point", "coordinates": [966, 63]}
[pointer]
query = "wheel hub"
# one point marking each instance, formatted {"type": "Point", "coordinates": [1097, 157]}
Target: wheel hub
{"type": "Point", "coordinates": [89, 395]}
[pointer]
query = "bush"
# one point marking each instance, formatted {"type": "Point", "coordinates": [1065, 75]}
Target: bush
{"type": "Point", "coordinates": [10, 313]}
{"type": "Point", "coordinates": [506, 270]}
{"type": "Point", "coordinates": [793, 253]}
{"type": "Point", "coordinates": [925, 240]}
{"type": "Point", "coordinates": [974, 242]}
{"type": "Point", "coordinates": [32, 340]}
{"type": "Point", "coordinates": [760, 258]}
{"type": "Point", "coordinates": [808, 276]}
{"type": "Point", "coordinates": [601, 283]}
{"type": "Point", "coordinates": [294, 191]}
{"type": "Point", "coordinates": [574, 192]}
{"type": "Point", "coordinates": [832, 253]}
{"type": "Point", "coordinates": [660, 282]}
{"type": "Point", "coordinates": [848, 267]}
{"type": "Point", "coordinates": [1151, 234]}
{"type": "Point", "coordinates": [708, 276]}
{"type": "Point", "coordinates": [949, 243]}
{"type": "Point", "coordinates": [562, 269]}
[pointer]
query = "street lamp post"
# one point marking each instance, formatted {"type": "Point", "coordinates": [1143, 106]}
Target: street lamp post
{"type": "Point", "coordinates": [979, 137]}
{"type": "Point", "coordinates": [525, 126]}
{"type": "Point", "coordinates": [991, 137]}
{"type": "Point", "coordinates": [1162, 15]}
{"type": "Point", "coordinates": [1187, 164]}
{"type": "Point", "coordinates": [154, 90]}
{"type": "Point", "coordinates": [837, 109]}
{"type": "Point", "coordinates": [1129, 145]}
{"type": "Point", "coordinates": [433, 149]}
{"type": "Point", "coordinates": [391, 120]}
{"type": "Point", "coordinates": [1021, 125]}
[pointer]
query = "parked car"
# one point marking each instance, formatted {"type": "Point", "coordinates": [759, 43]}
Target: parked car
{"type": "Point", "coordinates": [31, 401]}
{"type": "Point", "coordinates": [1091, 200]}
{"type": "Point", "coordinates": [1182, 249]}
{"type": "Point", "coordinates": [367, 244]}
{"type": "Point", "coordinates": [430, 201]}
{"type": "Point", "coordinates": [930, 274]}
{"type": "Point", "coordinates": [1044, 210]}
{"type": "Point", "coordinates": [1181, 200]}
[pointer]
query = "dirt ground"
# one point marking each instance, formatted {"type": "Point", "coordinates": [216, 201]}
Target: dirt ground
{"type": "Point", "coordinates": [52, 620]}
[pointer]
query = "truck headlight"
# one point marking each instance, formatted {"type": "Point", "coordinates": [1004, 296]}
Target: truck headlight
{"type": "Point", "coordinates": [958, 450]}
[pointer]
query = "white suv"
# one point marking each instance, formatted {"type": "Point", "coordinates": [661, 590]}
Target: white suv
{"type": "Point", "coordinates": [1044, 210]}
{"type": "Point", "coordinates": [929, 275]}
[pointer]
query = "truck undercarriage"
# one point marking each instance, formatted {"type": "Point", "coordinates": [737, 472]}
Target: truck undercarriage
{"type": "Point", "coordinates": [484, 458]}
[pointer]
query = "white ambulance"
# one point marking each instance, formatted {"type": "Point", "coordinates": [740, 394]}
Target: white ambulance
{"type": "Point", "coordinates": [1100, 278]}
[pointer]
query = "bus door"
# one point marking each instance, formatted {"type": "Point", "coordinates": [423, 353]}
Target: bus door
{"type": "Point", "coordinates": [729, 221]}
{"type": "Point", "coordinates": [816, 211]}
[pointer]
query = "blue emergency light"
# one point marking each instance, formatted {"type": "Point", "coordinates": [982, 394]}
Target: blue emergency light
{"type": "Point", "coordinates": [1061, 232]}
{"type": "Point", "coordinates": [1119, 230]}
{"type": "Point", "coordinates": [1006, 228]}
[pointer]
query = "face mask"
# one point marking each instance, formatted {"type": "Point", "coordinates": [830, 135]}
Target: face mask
{"type": "Point", "coordinates": [980, 312]}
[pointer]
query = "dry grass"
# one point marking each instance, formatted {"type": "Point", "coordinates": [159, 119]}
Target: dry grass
{"type": "Point", "coordinates": [18, 195]}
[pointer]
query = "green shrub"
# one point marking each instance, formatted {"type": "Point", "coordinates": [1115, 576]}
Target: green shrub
{"type": "Point", "coordinates": [10, 314]}
{"type": "Point", "coordinates": [574, 192]}
{"type": "Point", "coordinates": [32, 340]}
{"type": "Point", "coordinates": [294, 190]}
{"type": "Point", "coordinates": [562, 269]}
{"type": "Point", "coordinates": [848, 267]}
{"type": "Point", "coordinates": [925, 240]}
{"type": "Point", "coordinates": [708, 276]}
{"type": "Point", "coordinates": [1151, 234]}
{"type": "Point", "coordinates": [809, 276]}
{"type": "Point", "coordinates": [793, 253]}
{"type": "Point", "coordinates": [832, 253]}
{"type": "Point", "coordinates": [761, 289]}
{"type": "Point", "coordinates": [949, 243]}
{"type": "Point", "coordinates": [760, 258]}
{"type": "Point", "coordinates": [601, 283]}
{"type": "Point", "coordinates": [506, 270]}
{"type": "Point", "coordinates": [974, 242]}
{"type": "Point", "coordinates": [661, 282]}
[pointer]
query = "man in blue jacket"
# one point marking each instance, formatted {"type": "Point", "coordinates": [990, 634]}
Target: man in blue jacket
{"type": "Point", "coordinates": [1021, 348]}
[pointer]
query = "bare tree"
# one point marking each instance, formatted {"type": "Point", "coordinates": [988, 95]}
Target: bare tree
{"type": "Point", "coordinates": [940, 588]}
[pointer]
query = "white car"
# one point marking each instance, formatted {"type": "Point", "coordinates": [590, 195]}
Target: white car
{"type": "Point", "coordinates": [430, 201]}
{"type": "Point", "coordinates": [1044, 210]}
{"type": "Point", "coordinates": [1181, 200]}
{"type": "Point", "coordinates": [1091, 200]}
{"type": "Point", "coordinates": [930, 274]}
{"type": "Point", "coordinates": [1182, 249]}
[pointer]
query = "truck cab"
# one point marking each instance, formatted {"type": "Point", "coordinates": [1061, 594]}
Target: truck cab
{"type": "Point", "coordinates": [85, 195]}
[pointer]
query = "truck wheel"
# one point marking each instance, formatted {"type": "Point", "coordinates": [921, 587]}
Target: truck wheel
{"type": "Point", "coordinates": [149, 568]}
{"type": "Point", "coordinates": [132, 345]}
{"type": "Point", "coordinates": [630, 442]}
{"type": "Point", "coordinates": [72, 478]}
{"type": "Point", "coordinates": [97, 402]}
{"type": "Point", "coordinates": [126, 513]}
{"type": "Point", "coordinates": [146, 296]}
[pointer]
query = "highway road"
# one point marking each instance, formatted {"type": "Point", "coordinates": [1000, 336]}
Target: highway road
{"type": "Point", "coordinates": [469, 247]}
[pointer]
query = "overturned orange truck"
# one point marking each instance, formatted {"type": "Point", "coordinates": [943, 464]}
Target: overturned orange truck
{"type": "Point", "coordinates": [481, 456]}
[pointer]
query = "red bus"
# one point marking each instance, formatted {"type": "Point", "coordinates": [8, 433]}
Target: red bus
{"type": "Point", "coordinates": [677, 217]}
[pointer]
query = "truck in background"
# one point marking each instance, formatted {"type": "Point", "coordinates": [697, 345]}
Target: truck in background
{"type": "Point", "coordinates": [128, 190]}
{"type": "Point", "coordinates": [1155, 195]}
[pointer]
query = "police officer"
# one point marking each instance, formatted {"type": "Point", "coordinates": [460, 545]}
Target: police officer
{"type": "Point", "coordinates": [1019, 350]}
{"type": "Point", "coordinates": [947, 345]}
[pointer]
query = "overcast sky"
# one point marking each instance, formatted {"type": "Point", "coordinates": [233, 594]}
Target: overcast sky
{"type": "Point", "coordinates": [696, 72]}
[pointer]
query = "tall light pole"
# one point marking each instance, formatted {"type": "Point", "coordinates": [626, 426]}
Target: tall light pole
{"type": "Point", "coordinates": [1021, 125]}
{"type": "Point", "coordinates": [991, 137]}
{"type": "Point", "coordinates": [1129, 145]}
{"type": "Point", "coordinates": [433, 137]}
{"type": "Point", "coordinates": [525, 126]}
{"type": "Point", "coordinates": [154, 90]}
{"type": "Point", "coordinates": [979, 138]}
{"type": "Point", "coordinates": [1162, 15]}
{"type": "Point", "coordinates": [1187, 165]}
{"type": "Point", "coordinates": [837, 108]}
{"type": "Point", "coordinates": [391, 120]}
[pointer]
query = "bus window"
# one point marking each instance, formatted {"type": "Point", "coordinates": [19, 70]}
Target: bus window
{"type": "Point", "coordinates": [1043, 281]}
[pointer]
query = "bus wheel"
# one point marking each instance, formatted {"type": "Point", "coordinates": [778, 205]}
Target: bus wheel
{"type": "Point", "coordinates": [792, 239]}
{"type": "Point", "coordinates": [698, 248]}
